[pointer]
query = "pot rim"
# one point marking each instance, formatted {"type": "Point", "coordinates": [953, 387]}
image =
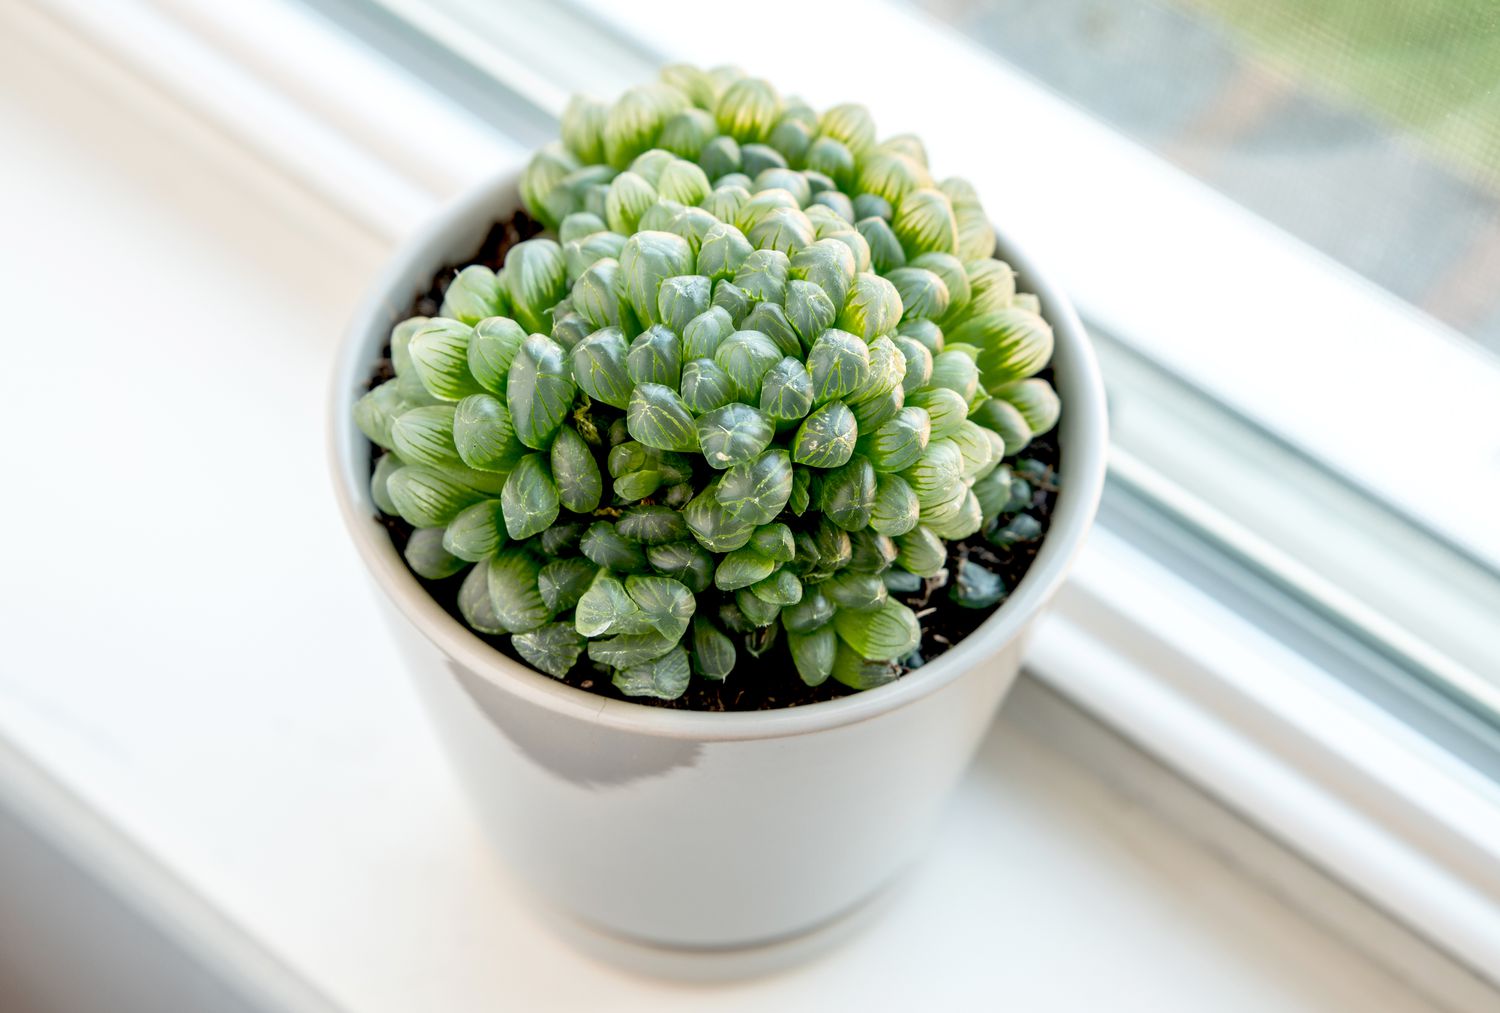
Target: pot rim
{"type": "Point", "coordinates": [1083, 432]}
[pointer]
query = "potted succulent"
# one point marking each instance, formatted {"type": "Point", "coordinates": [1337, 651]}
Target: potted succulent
{"type": "Point", "coordinates": [709, 466]}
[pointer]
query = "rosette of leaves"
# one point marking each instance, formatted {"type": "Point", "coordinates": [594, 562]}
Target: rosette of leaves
{"type": "Point", "coordinates": [760, 371]}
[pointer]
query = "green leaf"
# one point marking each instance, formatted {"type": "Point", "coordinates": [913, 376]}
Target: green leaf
{"type": "Point", "coordinates": [1014, 343]}
{"type": "Point", "coordinates": [786, 391]}
{"type": "Point", "coordinates": [473, 295]}
{"type": "Point", "coordinates": [484, 435]}
{"type": "Point", "coordinates": [606, 608]}
{"type": "Point", "coordinates": [683, 182]}
{"type": "Point", "coordinates": [705, 332]}
{"type": "Point", "coordinates": [658, 417]}
{"type": "Point", "coordinates": [925, 224]}
{"type": "Point", "coordinates": [747, 356]}
{"type": "Point", "coordinates": [782, 588]}
{"type": "Point", "coordinates": [539, 390]}
{"type": "Point", "coordinates": [826, 438]}
{"type": "Point", "coordinates": [848, 496]}
{"type": "Point", "coordinates": [655, 357]}
{"type": "Point", "coordinates": [732, 434]}
{"type": "Point", "coordinates": [937, 473]}
{"type": "Point", "coordinates": [992, 286]}
{"type": "Point", "coordinates": [603, 544]}
{"type": "Point", "coordinates": [885, 250]}
{"type": "Point", "coordinates": [760, 614]}
{"type": "Point", "coordinates": [923, 293]}
{"type": "Point", "coordinates": [723, 251]}
{"type": "Point", "coordinates": [850, 124]}
{"type": "Point", "coordinates": [892, 175]}
{"type": "Point", "coordinates": [561, 539]}
{"type": "Point", "coordinates": [581, 254]}
{"type": "Point", "coordinates": [376, 411]}
{"type": "Point", "coordinates": [774, 541]}
{"type": "Point", "coordinates": [861, 673]}
{"type": "Point", "coordinates": [1006, 420]}
{"type": "Point", "coordinates": [832, 158]}
{"type": "Point", "coordinates": [957, 372]}
{"type": "Point", "coordinates": [440, 356]}
{"type": "Point", "coordinates": [809, 309]}
{"type": "Point", "coordinates": [530, 500]}
{"type": "Point", "coordinates": [666, 678]}
{"type": "Point", "coordinates": [925, 332]}
{"type": "Point", "coordinates": [686, 133]}
{"type": "Point", "coordinates": [785, 229]}
{"type": "Point", "coordinates": [428, 557]}
{"type": "Point", "coordinates": [667, 604]}
{"type": "Point", "coordinates": [474, 600]}
{"type": "Point", "coordinates": [682, 299]}
{"type": "Point", "coordinates": [899, 443]}
{"type": "Point", "coordinates": [477, 532]}
{"type": "Point", "coordinates": [946, 409]}
{"type": "Point", "coordinates": [542, 185]}
{"type": "Point", "coordinates": [652, 525]}
{"type": "Point", "coordinates": [712, 524]}
{"type": "Point", "coordinates": [813, 612]}
{"type": "Point", "coordinates": [840, 365]}
{"type": "Point", "coordinates": [883, 634]}
{"type": "Point", "coordinates": [813, 653]}
{"type": "Point", "coordinates": [801, 491]}
{"type": "Point", "coordinates": [732, 300]}
{"type": "Point", "coordinates": [956, 517]}
{"type": "Point", "coordinates": [648, 259]}
{"type": "Point", "coordinates": [770, 319]}
{"type": "Point", "coordinates": [896, 509]}
{"type": "Point", "coordinates": [385, 466]}
{"type": "Point", "coordinates": [861, 592]}
{"type": "Point", "coordinates": [921, 552]}
{"type": "Point", "coordinates": [599, 367]}
{"type": "Point", "coordinates": [918, 368]}
{"type": "Point", "coordinates": [872, 308]}
{"type": "Point", "coordinates": [686, 561]}
{"type": "Point", "coordinates": [553, 648]}
{"type": "Point", "coordinates": [741, 568]}
{"type": "Point", "coordinates": [428, 498]}
{"type": "Point", "coordinates": [425, 435]}
{"type": "Point", "coordinates": [873, 553]}
{"type": "Point", "coordinates": [993, 492]}
{"type": "Point", "coordinates": [596, 295]}
{"type": "Point", "coordinates": [562, 582]}
{"type": "Point", "coordinates": [757, 490]}
{"type": "Point", "coordinates": [514, 596]}
{"type": "Point", "coordinates": [713, 652]}
{"type": "Point", "coordinates": [630, 649]}
{"type": "Point", "coordinates": [980, 448]}
{"type": "Point", "coordinates": [537, 279]}
{"type": "Point", "coordinates": [720, 157]}
{"type": "Point", "coordinates": [1035, 400]}
{"type": "Point", "coordinates": [747, 109]}
{"type": "Point", "coordinates": [706, 387]}
{"type": "Point", "coordinates": [628, 198]}
{"type": "Point", "coordinates": [830, 265]}
{"type": "Point", "coordinates": [763, 276]}
{"type": "Point", "coordinates": [575, 472]}
{"type": "Point", "coordinates": [975, 587]}
{"type": "Point", "coordinates": [492, 348]}
{"type": "Point", "coordinates": [583, 128]}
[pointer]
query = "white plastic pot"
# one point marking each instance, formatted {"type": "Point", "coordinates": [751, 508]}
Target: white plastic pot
{"type": "Point", "coordinates": [701, 832]}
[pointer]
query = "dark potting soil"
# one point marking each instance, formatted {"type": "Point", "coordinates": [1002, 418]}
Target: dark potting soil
{"type": "Point", "coordinates": [770, 681]}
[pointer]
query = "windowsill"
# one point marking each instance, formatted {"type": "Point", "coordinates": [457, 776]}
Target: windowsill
{"type": "Point", "coordinates": [288, 783]}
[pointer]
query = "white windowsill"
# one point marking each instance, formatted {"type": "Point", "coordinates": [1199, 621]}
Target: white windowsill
{"type": "Point", "coordinates": [206, 761]}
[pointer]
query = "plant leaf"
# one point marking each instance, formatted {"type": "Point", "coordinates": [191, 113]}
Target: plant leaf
{"type": "Point", "coordinates": [514, 596]}
{"type": "Point", "coordinates": [757, 490]}
{"type": "Point", "coordinates": [665, 678]}
{"type": "Point", "coordinates": [575, 472]}
{"type": "Point", "coordinates": [667, 604]}
{"type": "Point", "coordinates": [658, 417]}
{"type": "Point", "coordinates": [428, 557]}
{"type": "Point", "coordinates": [813, 653]}
{"type": "Point", "coordinates": [539, 390]}
{"type": "Point", "coordinates": [826, 438]}
{"type": "Point", "coordinates": [477, 532]}
{"type": "Point", "coordinates": [562, 582]}
{"type": "Point", "coordinates": [553, 648]}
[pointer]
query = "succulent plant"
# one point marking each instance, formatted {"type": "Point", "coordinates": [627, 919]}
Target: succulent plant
{"type": "Point", "coordinates": [757, 375]}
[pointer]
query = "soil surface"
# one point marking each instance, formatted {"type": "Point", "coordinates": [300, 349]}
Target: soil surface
{"type": "Point", "coordinates": [770, 681]}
